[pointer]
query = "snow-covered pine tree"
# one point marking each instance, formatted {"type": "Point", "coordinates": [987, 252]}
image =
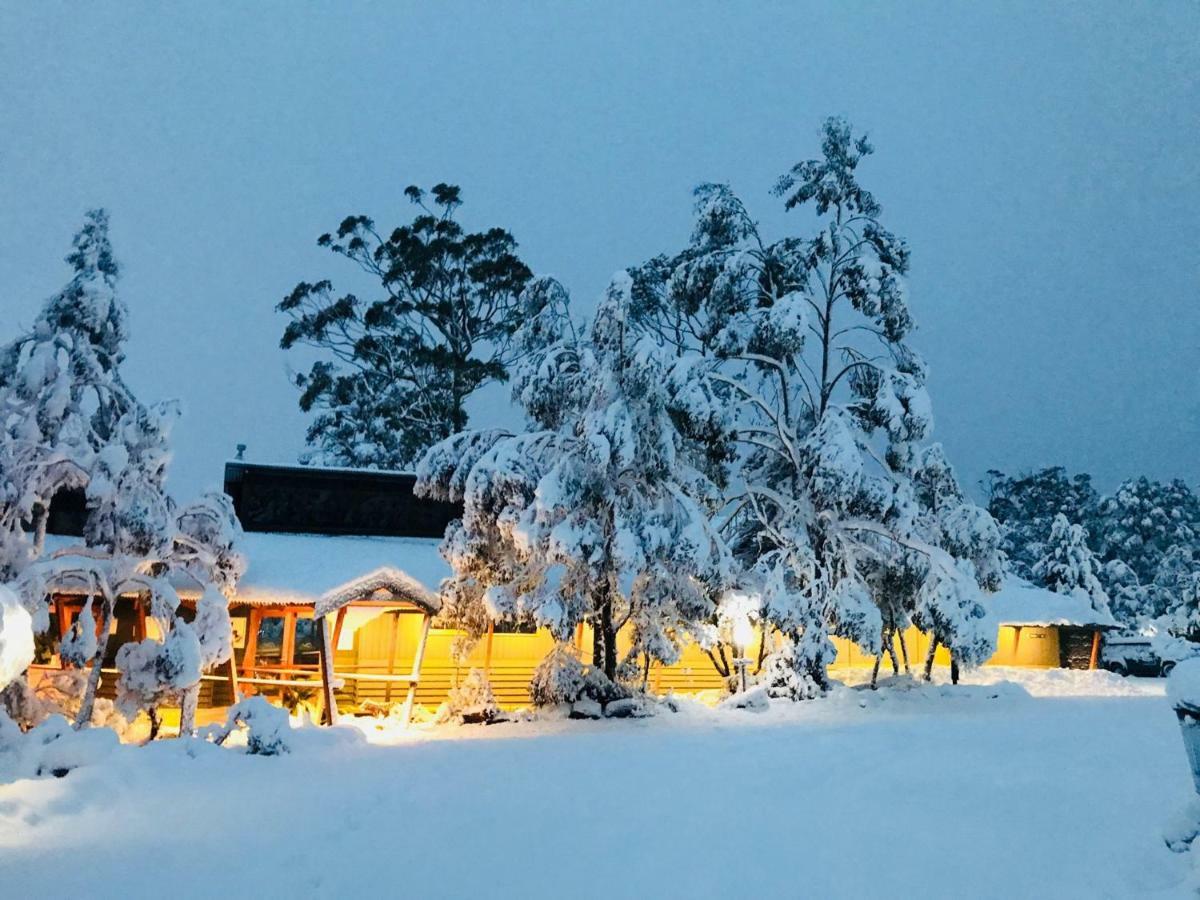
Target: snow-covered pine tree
{"type": "Point", "coordinates": [61, 395]}
{"type": "Point", "coordinates": [595, 514]}
{"type": "Point", "coordinates": [1068, 566]}
{"type": "Point", "coordinates": [396, 370]}
{"type": "Point", "coordinates": [805, 341]}
{"type": "Point", "coordinates": [1025, 507]}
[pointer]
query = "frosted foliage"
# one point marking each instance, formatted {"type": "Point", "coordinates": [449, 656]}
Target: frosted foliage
{"type": "Point", "coordinates": [817, 404]}
{"type": "Point", "coordinates": [154, 672]}
{"type": "Point", "coordinates": [206, 538]}
{"type": "Point", "coordinates": [79, 646]}
{"type": "Point", "coordinates": [213, 629]}
{"type": "Point", "coordinates": [16, 638]}
{"type": "Point", "coordinates": [597, 514]}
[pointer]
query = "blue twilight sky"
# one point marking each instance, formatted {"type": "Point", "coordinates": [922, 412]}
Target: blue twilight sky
{"type": "Point", "coordinates": [1041, 159]}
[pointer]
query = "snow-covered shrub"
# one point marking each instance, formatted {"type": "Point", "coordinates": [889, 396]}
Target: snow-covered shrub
{"type": "Point", "coordinates": [473, 700]}
{"type": "Point", "coordinates": [51, 748]}
{"type": "Point", "coordinates": [785, 676]}
{"type": "Point", "coordinates": [16, 638]}
{"type": "Point", "coordinates": [558, 679]}
{"type": "Point", "coordinates": [268, 729]}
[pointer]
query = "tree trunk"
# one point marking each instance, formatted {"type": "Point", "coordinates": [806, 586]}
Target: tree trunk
{"type": "Point", "coordinates": [187, 711]}
{"type": "Point", "coordinates": [953, 670]}
{"type": "Point", "coordinates": [903, 651]}
{"type": "Point", "coordinates": [610, 638]}
{"type": "Point", "coordinates": [93, 683]}
{"type": "Point", "coordinates": [929, 659]}
{"type": "Point", "coordinates": [875, 670]}
{"type": "Point", "coordinates": [891, 649]}
{"type": "Point", "coordinates": [155, 723]}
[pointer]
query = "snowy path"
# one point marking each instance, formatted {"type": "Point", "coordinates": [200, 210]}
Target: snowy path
{"type": "Point", "coordinates": [984, 793]}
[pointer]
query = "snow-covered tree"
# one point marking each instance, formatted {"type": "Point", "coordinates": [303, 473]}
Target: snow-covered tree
{"type": "Point", "coordinates": [805, 344]}
{"type": "Point", "coordinates": [596, 513]}
{"type": "Point", "coordinates": [1025, 507]}
{"type": "Point", "coordinates": [61, 396]}
{"type": "Point", "coordinates": [67, 419]}
{"type": "Point", "coordinates": [396, 370]}
{"type": "Point", "coordinates": [1142, 520]}
{"type": "Point", "coordinates": [1175, 591]}
{"type": "Point", "coordinates": [1130, 601]}
{"type": "Point", "coordinates": [1068, 566]}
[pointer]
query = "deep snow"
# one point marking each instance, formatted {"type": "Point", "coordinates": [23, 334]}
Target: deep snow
{"type": "Point", "coordinates": [982, 790]}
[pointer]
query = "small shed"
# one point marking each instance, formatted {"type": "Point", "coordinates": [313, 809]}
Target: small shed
{"type": "Point", "coordinates": [1040, 628]}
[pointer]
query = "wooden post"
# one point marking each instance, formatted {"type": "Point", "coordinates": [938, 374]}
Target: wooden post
{"type": "Point", "coordinates": [251, 655]}
{"type": "Point", "coordinates": [63, 614]}
{"type": "Point", "coordinates": [329, 716]}
{"type": "Point", "coordinates": [288, 640]}
{"type": "Point", "coordinates": [337, 628]}
{"type": "Point", "coordinates": [391, 664]}
{"type": "Point", "coordinates": [487, 656]}
{"type": "Point", "coordinates": [233, 676]}
{"type": "Point", "coordinates": [1095, 649]}
{"type": "Point", "coordinates": [416, 671]}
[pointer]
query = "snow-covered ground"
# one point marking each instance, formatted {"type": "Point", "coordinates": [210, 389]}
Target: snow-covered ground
{"type": "Point", "coordinates": [1059, 785]}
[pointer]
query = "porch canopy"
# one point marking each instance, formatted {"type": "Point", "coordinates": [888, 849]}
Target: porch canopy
{"type": "Point", "coordinates": [334, 574]}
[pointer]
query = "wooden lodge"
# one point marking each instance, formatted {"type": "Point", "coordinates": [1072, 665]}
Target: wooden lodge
{"type": "Point", "coordinates": [338, 607]}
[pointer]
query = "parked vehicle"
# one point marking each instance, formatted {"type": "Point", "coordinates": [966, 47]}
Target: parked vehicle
{"type": "Point", "coordinates": [1131, 653]}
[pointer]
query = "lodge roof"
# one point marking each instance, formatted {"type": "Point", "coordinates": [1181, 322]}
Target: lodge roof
{"type": "Point", "coordinates": [306, 500]}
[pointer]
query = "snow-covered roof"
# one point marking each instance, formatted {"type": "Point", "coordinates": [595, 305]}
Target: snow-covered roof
{"type": "Point", "coordinates": [306, 568]}
{"type": "Point", "coordinates": [335, 570]}
{"type": "Point", "coordinates": [1020, 603]}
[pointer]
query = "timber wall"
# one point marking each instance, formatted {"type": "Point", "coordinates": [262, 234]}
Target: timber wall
{"type": "Point", "coordinates": [513, 657]}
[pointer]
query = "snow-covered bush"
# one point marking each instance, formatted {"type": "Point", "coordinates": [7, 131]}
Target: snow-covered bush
{"type": "Point", "coordinates": [559, 678]}
{"type": "Point", "coordinates": [473, 700]}
{"type": "Point", "coordinates": [785, 676]}
{"type": "Point", "coordinates": [51, 748]}
{"type": "Point", "coordinates": [16, 638]}
{"type": "Point", "coordinates": [268, 729]}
